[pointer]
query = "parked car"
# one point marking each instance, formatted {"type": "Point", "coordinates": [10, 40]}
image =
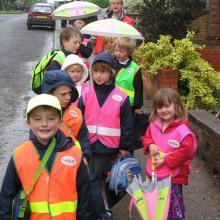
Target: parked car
{"type": "Point", "coordinates": [40, 14]}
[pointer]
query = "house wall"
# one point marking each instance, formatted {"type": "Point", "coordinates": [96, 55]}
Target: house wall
{"type": "Point", "coordinates": [214, 23]}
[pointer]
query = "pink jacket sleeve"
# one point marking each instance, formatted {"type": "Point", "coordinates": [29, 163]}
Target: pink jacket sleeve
{"type": "Point", "coordinates": [146, 141]}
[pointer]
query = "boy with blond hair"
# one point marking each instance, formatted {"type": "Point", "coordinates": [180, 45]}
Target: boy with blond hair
{"type": "Point", "coordinates": [128, 72]}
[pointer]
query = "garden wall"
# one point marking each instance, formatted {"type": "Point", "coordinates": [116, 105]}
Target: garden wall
{"type": "Point", "coordinates": [212, 55]}
{"type": "Point", "coordinates": [207, 129]}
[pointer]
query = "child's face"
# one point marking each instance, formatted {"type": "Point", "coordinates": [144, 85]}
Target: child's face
{"type": "Point", "coordinates": [109, 45]}
{"type": "Point", "coordinates": [101, 77]}
{"type": "Point", "coordinates": [116, 6]}
{"type": "Point", "coordinates": [79, 25]}
{"type": "Point", "coordinates": [44, 123]}
{"type": "Point", "coordinates": [75, 72]}
{"type": "Point", "coordinates": [167, 112]}
{"type": "Point", "coordinates": [121, 54]}
{"type": "Point", "coordinates": [64, 94]}
{"type": "Point", "coordinates": [72, 45]}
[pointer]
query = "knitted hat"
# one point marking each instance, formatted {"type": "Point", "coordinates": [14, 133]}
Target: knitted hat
{"type": "Point", "coordinates": [74, 59]}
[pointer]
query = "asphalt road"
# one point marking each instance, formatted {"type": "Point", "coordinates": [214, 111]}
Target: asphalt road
{"type": "Point", "coordinates": [20, 50]}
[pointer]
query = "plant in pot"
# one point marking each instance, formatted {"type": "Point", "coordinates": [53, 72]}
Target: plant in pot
{"type": "Point", "coordinates": [198, 82]}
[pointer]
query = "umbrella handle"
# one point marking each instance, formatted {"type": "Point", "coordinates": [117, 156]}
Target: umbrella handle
{"type": "Point", "coordinates": [161, 154]}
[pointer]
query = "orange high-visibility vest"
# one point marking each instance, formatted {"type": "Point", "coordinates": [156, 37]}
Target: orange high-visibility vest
{"type": "Point", "coordinates": [54, 195]}
{"type": "Point", "coordinates": [73, 119]}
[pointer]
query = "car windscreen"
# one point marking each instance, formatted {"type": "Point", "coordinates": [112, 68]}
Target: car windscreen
{"type": "Point", "coordinates": [41, 9]}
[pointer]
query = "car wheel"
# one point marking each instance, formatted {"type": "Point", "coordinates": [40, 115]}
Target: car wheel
{"type": "Point", "coordinates": [29, 27]}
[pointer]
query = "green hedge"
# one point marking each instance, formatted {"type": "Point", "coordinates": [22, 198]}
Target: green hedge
{"type": "Point", "coordinates": [100, 3]}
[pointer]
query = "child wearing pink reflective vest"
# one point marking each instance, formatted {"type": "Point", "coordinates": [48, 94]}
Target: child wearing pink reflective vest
{"type": "Point", "coordinates": [108, 117]}
{"type": "Point", "coordinates": [170, 134]}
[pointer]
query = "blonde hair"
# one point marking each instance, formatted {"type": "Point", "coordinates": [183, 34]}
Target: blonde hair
{"type": "Point", "coordinates": [168, 96]}
{"type": "Point", "coordinates": [126, 43]}
{"type": "Point", "coordinates": [79, 22]}
{"type": "Point", "coordinates": [67, 33]}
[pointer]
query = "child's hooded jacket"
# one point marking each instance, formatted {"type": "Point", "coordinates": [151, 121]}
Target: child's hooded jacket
{"type": "Point", "coordinates": [12, 184]}
{"type": "Point", "coordinates": [74, 59]}
{"type": "Point", "coordinates": [184, 152]}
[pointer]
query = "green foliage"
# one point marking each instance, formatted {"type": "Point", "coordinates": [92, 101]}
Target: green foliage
{"type": "Point", "coordinates": [100, 3]}
{"type": "Point", "coordinates": [168, 17]}
{"type": "Point", "coordinates": [199, 83]}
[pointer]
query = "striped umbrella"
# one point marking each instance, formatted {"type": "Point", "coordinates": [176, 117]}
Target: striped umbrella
{"type": "Point", "coordinates": [112, 28]}
{"type": "Point", "coordinates": [76, 10]}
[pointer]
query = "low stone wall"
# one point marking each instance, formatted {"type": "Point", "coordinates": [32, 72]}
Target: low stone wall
{"type": "Point", "coordinates": [207, 129]}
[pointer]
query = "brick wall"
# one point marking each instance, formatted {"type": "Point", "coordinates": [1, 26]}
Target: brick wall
{"type": "Point", "coordinates": [207, 129]}
{"type": "Point", "coordinates": [212, 55]}
{"type": "Point", "coordinates": [166, 78]}
{"type": "Point", "coordinates": [214, 23]}
{"type": "Point", "coordinates": [200, 26]}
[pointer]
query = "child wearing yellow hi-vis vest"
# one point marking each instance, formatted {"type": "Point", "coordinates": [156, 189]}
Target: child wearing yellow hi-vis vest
{"type": "Point", "coordinates": [128, 72]}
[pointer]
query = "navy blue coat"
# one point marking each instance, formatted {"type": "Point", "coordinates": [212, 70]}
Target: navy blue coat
{"type": "Point", "coordinates": [12, 184]}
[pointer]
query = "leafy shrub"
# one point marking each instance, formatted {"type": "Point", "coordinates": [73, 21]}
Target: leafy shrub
{"type": "Point", "coordinates": [167, 17]}
{"type": "Point", "coordinates": [100, 3]}
{"type": "Point", "coordinates": [200, 83]}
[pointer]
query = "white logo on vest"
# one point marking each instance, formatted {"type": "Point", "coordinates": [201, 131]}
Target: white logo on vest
{"type": "Point", "coordinates": [68, 160]}
{"type": "Point", "coordinates": [173, 143]}
{"type": "Point", "coordinates": [117, 98]}
{"type": "Point", "coordinates": [129, 69]}
{"type": "Point", "coordinates": [73, 113]}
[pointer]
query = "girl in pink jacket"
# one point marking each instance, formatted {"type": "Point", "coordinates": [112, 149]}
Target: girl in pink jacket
{"type": "Point", "coordinates": [169, 134]}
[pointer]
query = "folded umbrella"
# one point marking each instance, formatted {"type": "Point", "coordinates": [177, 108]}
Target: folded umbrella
{"type": "Point", "coordinates": [152, 198]}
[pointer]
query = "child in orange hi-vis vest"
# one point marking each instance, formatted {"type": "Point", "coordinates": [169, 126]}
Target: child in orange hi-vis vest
{"type": "Point", "coordinates": [62, 188]}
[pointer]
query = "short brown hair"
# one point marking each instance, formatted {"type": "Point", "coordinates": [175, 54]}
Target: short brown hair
{"type": "Point", "coordinates": [127, 44]}
{"type": "Point", "coordinates": [167, 96]}
{"type": "Point", "coordinates": [101, 66]}
{"type": "Point", "coordinates": [121, 1]}
{"type": "Point", "coordinates": [67, 33]}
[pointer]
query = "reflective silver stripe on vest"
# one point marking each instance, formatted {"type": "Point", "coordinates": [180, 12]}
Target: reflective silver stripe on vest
{"type": "Point", "coordinates": [93, 129]}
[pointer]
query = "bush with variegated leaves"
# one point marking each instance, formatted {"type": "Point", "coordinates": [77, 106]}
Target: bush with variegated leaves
{"type": "Point", "coordinates": [199, 83]}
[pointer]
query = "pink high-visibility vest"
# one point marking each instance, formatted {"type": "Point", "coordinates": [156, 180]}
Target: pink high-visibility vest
{"type": "Point", "coordinates": [168, 143]}
{"type": "Point", "coordinates": [104, 123]}
{"type": "Point", "coordinates": [85, 86]}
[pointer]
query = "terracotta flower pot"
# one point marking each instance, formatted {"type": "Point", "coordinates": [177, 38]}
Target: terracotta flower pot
{"type": "Point", "coordinates": [166, 78]}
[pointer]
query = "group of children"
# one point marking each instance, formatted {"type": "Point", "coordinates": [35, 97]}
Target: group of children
{"type": "Point", "coordinates": [90, 113]}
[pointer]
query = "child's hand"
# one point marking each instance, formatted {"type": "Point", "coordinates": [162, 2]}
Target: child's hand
{"type": "Point", "coordinates": [154, 149]}
{"type": "Point", "coordinates": [159, 162]}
